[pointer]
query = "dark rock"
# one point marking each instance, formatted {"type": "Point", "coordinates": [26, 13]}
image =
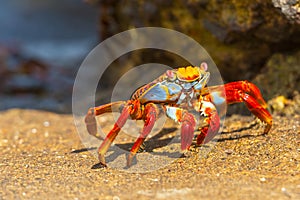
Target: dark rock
{"type": "Point", "coordinates": [240, 36]}
{"type": "Point", "coordinates": [281, 76]}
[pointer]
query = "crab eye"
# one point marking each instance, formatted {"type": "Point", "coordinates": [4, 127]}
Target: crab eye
{"type": "Point", "coordinates": [171, 75]}
{"type": "Point", "coordinates": [204, 66]}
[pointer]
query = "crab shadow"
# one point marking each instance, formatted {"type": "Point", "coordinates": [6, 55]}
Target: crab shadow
{"type": "Point", "coordinates": [160, 140]}
{"type": "Point", "coordinates": [150, 144]}
{"type": "Point", "coordinates": [237, 137]}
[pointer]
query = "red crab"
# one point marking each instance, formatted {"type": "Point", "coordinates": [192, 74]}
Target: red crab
{"type": "Point", "coordinates": [178, 93]}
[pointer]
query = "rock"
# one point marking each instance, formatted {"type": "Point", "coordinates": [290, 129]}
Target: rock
{"type": "Point", "coordinates": [290, 8]}
{"type": "Point", "coordinates": [240, 36]}
{"type": "Point", "coordinates": [280, 105]}
{"type": "Point", "coordinates": [280, 76]}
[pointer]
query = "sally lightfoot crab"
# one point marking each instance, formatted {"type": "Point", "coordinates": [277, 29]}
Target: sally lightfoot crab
{"type": "Point", "coordinates": [178, 94]}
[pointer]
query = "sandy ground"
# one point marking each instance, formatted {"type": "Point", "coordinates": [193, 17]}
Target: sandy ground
{"type": "Point", "coordinates": [42, 157]}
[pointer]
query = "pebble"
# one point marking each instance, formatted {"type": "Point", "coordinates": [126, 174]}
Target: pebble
{"type": "Point", "coordinates": [46, 134]}
{"type": "Point", "coordinates": [284, 191]}
{"type": "Point", "coordinates": [5, 141]}
{"type": "Point", "coordinates": [46, 123]}
{"type": "Point", "coordinates": [228, 151]}
{"type": "Point", "coordinates": [262, 179]}
{"type": "Point", "coordinates": [116, 198]}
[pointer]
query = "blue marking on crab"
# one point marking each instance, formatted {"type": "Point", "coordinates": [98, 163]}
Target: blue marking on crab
{"type": "Point", "coordinates": [217, 98]}
{"type": "Point", "coordinates": [162, 92]}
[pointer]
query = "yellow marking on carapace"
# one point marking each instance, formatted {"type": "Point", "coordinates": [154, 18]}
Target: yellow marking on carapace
{"type": "Point", "coordinates": [188, 73]}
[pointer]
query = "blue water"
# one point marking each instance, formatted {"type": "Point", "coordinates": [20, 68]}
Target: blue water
{"type": "Point", "coordinates": [58, 33]}
{"type": "Point", "coordinates": [54, 30]}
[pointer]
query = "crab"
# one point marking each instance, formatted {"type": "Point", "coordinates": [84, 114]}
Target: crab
{"type": "Point", "coordinates": [179, 94]}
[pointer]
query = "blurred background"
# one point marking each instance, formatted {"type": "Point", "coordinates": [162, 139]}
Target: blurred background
{"type": "Point", "coordinates": [42, 44]}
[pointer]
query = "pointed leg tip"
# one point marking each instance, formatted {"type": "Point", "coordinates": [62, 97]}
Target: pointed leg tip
{"type": "Point", "coordinates": [129, 159]}
{"type": "Point", "coordinates": [184, 152]}
{"type": "Point", "coordinates": [102, 159]}
{"type": "Point", "coordinates": [99, 166]}
{"type": "Point", "coordinates": [184, 147]}
{"type": "Point", "coordinates": [267, 128]}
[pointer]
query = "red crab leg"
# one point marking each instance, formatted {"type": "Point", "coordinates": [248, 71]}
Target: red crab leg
{"type": "Point", "coordinates": [245, 87]}
{"type": "Point", "coordinates": [90, 120]}
{"type": "Point", "coordinates": [256, 108]}
{"type": "Point", "coordinates": [207, 133]}
{"type": "Point", "coordinates": [242, 91]}
{"type": "Point", "coordinates": [113, 133]}
{"type": "Point", "coordinates": [187, 130]}
{"type": "Point", "coordinates": [151, 113]}
{"type": "Point", "coordinates": [131, 108]}
{"type": "Point", "coordinates": [215, 93]}
{"type": "Point", "coordinates": [188, 124]}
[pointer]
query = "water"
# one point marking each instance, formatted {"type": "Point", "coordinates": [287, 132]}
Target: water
{"type": "Point", "coordinates": [49, 28]}
{"type": "Point", "coordinates": [58, 33]}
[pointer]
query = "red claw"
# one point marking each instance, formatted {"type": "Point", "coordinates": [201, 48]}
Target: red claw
{"type": "Point", "coordinates": [244, 91]}
{"type": "Point", "coordinates": [187, 130]}
{"type": "Point", "coordinates": [90, 121]}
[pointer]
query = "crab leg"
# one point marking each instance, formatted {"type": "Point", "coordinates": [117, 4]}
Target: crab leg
{"type": "Point", "coordinates": [187, 130]}
{"type": "Point", "coordinates": [245, 87]}
{"type": "Point", "coordinates": [151, 112]}
{"type": "Point", "coordinates": [130, 108]}
{"type": "Point", "coordinates": [188, 124]}
{"type": "Point", "coordinates": [242, 91]}
{"type": "Point", "coordinates": [90, 120]}
{"type": "Point", "coordinates": [113, 133]}
{"type": "Point", "coordinates": [212, 119]}
{"type": "Point", "coordinates": [252, 104]}
{"type": "Point", "coordinates": [216, 93]}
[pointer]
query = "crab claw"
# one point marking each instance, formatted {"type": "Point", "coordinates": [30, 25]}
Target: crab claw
{"type": "Point", "coordinates": [187, 134]}
{"type": "Point", "coordinates": [187, 131]}
{"type": "Point", "coordinates": [90, 118]}
{"type": "Point", "coordinates": [90, 121]}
